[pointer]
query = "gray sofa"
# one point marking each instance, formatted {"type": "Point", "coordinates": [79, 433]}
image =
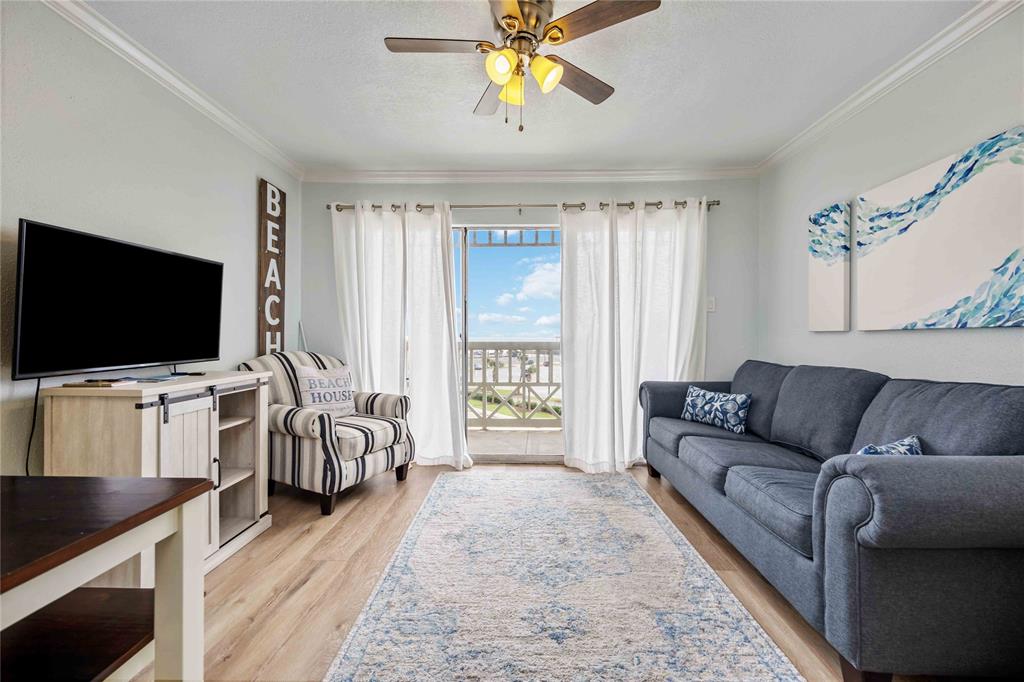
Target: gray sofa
{"type": "Point", "coordinates": [906, 564]}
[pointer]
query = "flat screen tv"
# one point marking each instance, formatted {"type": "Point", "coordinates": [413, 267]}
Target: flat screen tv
{"type": "Point", "coordinates": [86, 303]}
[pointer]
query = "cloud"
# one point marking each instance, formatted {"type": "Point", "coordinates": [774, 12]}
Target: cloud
{"type": "Point", "coordinates": [537, 259]}
{"type": "Point", "coordinates": [505, 298]}
{"type": "Point", "coordinates": [525, 309]}
{"type": "Point", "coordinates": [544, 281]}
{"type": "Point", "coordinates": [548, 320]}
{"type": "Point", "coordinates": [486, 318]}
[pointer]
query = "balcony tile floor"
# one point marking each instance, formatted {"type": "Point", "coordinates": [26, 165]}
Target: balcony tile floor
{"type": "Point", "coordinates": [512, 442]}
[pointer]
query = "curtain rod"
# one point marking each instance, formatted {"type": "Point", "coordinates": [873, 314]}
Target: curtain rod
{"type": "Point", "coordinates": [564, 206]}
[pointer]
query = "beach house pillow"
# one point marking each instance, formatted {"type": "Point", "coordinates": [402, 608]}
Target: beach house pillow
{"type": "Point", "coordinates": [327, 390]}
{"type": "Point", "coordinates": [725, 410]}
{"type": "Point", "coordinates": [905, 446]}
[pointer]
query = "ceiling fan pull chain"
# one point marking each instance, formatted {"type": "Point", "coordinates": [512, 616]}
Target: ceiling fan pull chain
{"type": "Point", "coordinates": [522, 101]}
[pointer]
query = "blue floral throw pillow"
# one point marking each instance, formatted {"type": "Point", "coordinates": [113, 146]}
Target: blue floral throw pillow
{"type": "Point", "coordinates": [905, 446]}
{"type": "Point", "coordinates": [725, 410]}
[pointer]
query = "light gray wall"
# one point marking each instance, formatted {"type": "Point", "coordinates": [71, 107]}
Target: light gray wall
{"type": "Point", "coordinates": [970, 94]}
{"type": "Point", "coordinates": [90, 142]}
{"type": "Point", "coordinates": [731, 245]}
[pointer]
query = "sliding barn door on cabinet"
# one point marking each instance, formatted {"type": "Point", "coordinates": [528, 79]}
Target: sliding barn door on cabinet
{"type": "Point", "coordinates": [188, 447]}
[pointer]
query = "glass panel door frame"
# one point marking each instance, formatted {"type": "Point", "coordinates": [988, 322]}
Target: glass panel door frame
{"type": "Point", "coordinates": [476, 235]}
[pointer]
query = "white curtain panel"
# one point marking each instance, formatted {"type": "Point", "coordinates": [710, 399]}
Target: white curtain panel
{"type": "Point", "coordinates": [369, 267]}
{"type": "Point", "coordinates": [396, 303]}
{"type": "Point", "coordinates": [435, 389]}
{"type": "Point", "coordinates": [632, 309]}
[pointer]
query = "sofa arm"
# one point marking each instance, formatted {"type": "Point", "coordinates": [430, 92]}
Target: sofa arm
{"type": "Point", "coordinates": [926, 502]}
{"type": "Point", "coordinates": [665, 398]}
{"type": "Point", "coordinates": [382, 404]}
{"type": "Point", "coordinates": [303, 422]}
{"type": "Point", "coordinates": [918, 562]}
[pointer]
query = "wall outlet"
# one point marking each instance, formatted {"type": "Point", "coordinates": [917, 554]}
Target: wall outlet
{"type": "Point", "coordinates": [712, 304]}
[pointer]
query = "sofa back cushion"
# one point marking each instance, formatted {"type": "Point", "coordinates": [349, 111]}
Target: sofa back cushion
{"type": "Point", "coordinates": [820, 408]}
{"type": "Point", "coordinates": [762, 380]}
{"type": "Point", "coordinates": [948, 418]}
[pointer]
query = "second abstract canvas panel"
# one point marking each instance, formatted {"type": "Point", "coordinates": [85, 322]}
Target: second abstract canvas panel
{"type": "Point", "coordinates": [943, 246]}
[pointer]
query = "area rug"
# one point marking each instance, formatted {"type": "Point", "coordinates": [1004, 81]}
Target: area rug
{"type": "Point", "coordinates": [551, 575]}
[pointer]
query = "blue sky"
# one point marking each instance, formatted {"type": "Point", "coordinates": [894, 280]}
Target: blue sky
{"type": "Point", "coordinates": [513, 292]}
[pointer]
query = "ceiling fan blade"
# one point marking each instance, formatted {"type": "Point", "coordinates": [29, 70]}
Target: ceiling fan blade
{"type": "Point", "coordinates": [489, 101]}
{"type": "Point", "coordinates": [595, 16]}
{"type": "Point", "coordinates": [582, 83]}
{"type": "Point", "coordinates": [432, 45]}
{"type": "Point", "coordinates": [507, 8]}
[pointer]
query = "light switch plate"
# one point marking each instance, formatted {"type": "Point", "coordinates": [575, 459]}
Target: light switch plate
{"type": "Point", "coordinates": [712, 304]}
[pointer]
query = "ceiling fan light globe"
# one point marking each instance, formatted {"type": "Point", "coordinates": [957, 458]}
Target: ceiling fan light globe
{"type": "Point", "coordinates": [513, 92]}
{"type": "Point", "coordinates": [546, 72]}
{"type": "Point", "coordinates": [501, 65]}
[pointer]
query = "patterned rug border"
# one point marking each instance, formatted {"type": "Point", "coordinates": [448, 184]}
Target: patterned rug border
{"type": "Point", "coordinates": [405, 548]}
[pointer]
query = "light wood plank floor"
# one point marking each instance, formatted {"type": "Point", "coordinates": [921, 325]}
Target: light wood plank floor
{"type": "Point", "coordinates": [281, 608]}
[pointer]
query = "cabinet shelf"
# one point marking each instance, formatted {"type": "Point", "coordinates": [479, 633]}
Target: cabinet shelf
{"type": "Point", "coordinates": [231, 422]}
{"type": "Point", "coordinates": [233, 475]}
{"type": "Point", "coordinates": [230, 526]}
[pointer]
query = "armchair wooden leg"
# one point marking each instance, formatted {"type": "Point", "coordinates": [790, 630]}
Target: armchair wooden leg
{"type": "Point", "coordinates": [402, 471]}
{"type": "Point", "coordinates": [326, 504]}
{"type": "Point", "coordinates": [852, 674]}
{"type": "Point", "coordinates": [271, 487]}
{"type": "Point", "coordinates": [652, 472]}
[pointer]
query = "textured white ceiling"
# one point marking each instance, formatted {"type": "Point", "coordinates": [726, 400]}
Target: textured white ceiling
{"type": "Point", "coordinates": [698, 84]}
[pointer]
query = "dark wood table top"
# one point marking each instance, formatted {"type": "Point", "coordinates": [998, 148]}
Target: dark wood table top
{"type": "Point", "coordinates": [48, 520]}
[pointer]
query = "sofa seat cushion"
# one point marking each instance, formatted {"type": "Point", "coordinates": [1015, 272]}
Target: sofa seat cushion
{"type": "Point", "coordinates": [667, 432]}
{"type": "Point", "coordinates": [361, 434]}
{"type": "Point", "coordinates": [712, 458]}
{"type": "Point", "coordinates": [781, 500]}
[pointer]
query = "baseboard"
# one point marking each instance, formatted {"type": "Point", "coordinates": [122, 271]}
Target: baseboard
{"type": "Point", "coordinates": [236, 543]}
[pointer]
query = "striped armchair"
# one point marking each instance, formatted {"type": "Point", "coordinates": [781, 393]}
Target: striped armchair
{"type": "Point", "coordinates": [316, 451]}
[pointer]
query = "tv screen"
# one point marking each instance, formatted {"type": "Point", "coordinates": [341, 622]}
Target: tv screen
{"type": "Point", "coordinates": [87, 303]}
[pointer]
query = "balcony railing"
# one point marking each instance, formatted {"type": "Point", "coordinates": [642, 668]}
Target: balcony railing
{"type": "Point", "coordinates": [515, 384]}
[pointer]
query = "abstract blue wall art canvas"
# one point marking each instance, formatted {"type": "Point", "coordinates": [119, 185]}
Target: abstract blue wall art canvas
{"type": "Point", "coordinates": [828, 269]}
{"type": "Point", "coordinates": [943, 247]}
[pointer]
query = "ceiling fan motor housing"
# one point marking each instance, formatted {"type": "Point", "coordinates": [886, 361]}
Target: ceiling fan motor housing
{"type": "Point", "coordinates": [536, 15]}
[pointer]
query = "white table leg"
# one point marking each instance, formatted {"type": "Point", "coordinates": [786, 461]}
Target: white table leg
{"type": "Point", "coordinates": [178, 608]}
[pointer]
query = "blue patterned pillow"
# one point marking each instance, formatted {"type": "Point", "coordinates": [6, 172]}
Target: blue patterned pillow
{"type": "Point", "coordinates": [905, 446]}
{"type": "Point", "coordinates": [725, 410]}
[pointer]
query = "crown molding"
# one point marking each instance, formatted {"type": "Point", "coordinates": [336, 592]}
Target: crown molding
{"type": "Point", "coordinates": [93, 24]}
{"type": "Point", "coordinates": [523, 176]}
{"type": "Point", "coordinates": [967, 27]}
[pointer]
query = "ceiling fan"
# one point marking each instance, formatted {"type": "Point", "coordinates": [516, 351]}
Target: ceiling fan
{"type": "Point", "coordinates": [524, 26]}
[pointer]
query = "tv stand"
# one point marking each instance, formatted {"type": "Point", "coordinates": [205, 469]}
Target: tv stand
{"type": "Point", "coordinates": [212, 426]}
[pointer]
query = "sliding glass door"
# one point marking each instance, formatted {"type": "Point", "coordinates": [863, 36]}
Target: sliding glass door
{"type": "Point", "coordinates": [509, 283]}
